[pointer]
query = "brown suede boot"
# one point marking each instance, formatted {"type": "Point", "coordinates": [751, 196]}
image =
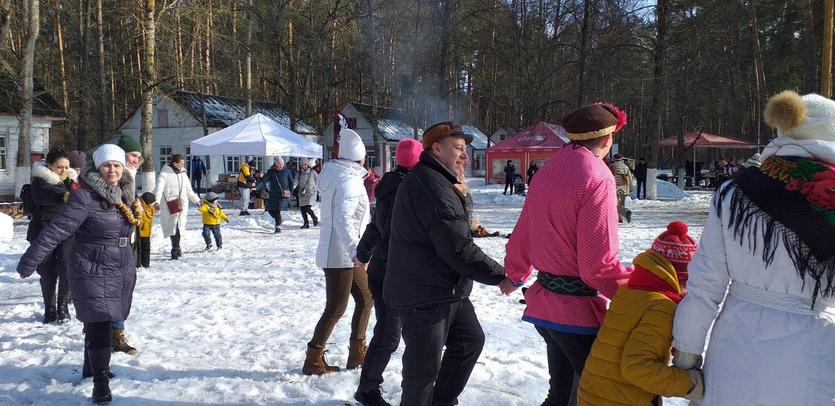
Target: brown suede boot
{"type": "Point", "coordinates": [356, 354]}
{"type": "Point", "coordinates": [315, 363]}
{"type": "Point", "coordinates": [120, 344]}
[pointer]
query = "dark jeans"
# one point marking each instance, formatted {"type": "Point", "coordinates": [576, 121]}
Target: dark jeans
{"type": "Point", "coordinates": [145, 251]}
{"type": "Point", "coordinates": [214, 230]}
{"type": "Point", "coordinates": [642, 187]}
{"type": "Point", "coordinates": [508, 183]}
{"type": "Point", "coordinates": [340, 284]}
{"type": "Point", "coordinates": [308, 210]}
{"type": "Point", "coordinates": [196, 184]}
{"type": "Point", "coordinates": [386, 334]}
{"type": "Point", "coordinates": [567, 355]}
{"type": "Point", "coordinates": [53, 272]}
{"type": "Point", "coordinates": [98, 335]}
{"type": "Point", "coordinates": [432, 376]}
{"type": "Point", "coordinates": [276, 214]}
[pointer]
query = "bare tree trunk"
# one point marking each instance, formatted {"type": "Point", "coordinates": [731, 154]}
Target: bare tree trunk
{"type": "Point", "coordinates": [248, 89]}
{"type": "Point", "coordinates": [83, 75]}
{"type": "Point", "coordinates": [65, 94]}
{"type": "Point", "coordinates": [810, 58]}
{"type": "Point", "coordinates": [5, 23]}
{"type": "Point", "coordinates": [179, 46]}
{"type": "Point", "coordinates": [103, 125]}
{"type": "Point", "coordinates": [24, 146]}
{"type": "Point", "coordinates": [208, 52]}
{"type": "Point", "coordinates": [657, 105]}
{"type": "Point", "coordinates": [585, 34]}
{"type": "Point", "coordinates": [146, 137]}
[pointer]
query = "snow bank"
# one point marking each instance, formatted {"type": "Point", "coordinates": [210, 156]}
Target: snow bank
{"type": "Point", "coordinates": [6, 227]}
{"type": "Point", "coordinates": [666, 191]}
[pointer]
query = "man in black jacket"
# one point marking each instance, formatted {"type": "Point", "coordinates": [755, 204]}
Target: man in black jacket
{"type": "Point", "coordinates": [641, 176]}
{"type": "Point", "coordinates": [432, 264]}
{"type": "Point", "coordinates": [509, 173]}
{"type": "Point", "coordinates": [375, 241]}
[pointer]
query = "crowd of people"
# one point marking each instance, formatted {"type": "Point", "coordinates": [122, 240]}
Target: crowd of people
{"type": "Point", "coordinates": [612, 334]}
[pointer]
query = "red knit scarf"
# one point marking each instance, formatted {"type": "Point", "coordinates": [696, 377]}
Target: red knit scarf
{"type": "Point", "coordinates": [642, 279]}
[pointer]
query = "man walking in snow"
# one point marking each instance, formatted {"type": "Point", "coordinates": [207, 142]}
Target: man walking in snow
{"type": "Point", "coordinates": [432, 264]}
{"type": "Point", "coordinates": [568, 232]}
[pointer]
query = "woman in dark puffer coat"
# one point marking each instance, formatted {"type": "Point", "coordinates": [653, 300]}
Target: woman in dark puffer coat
{"type": "Point", "coordinates": [102, 270]}
{"type": "Point", "coordinates": [51, 185]}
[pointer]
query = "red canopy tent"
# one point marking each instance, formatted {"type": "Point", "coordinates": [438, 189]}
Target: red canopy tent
{"type": "Point", "coordinates": [700, 140]}
{"type": "Point", "coordinates": [537, 143]}
{"type": "Point", "coordinates": [705, 140]}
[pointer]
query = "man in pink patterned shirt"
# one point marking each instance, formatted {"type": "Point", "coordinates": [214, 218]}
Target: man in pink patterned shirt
{"type": "Point", "coordinates": [568, 232]}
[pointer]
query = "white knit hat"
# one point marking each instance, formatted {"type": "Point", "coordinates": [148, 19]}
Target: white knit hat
{"type": "Point", "coordinates": [350, 145]}
{"type": "Point", "coordinates": [808, 117]}
{"type": "Point", "coordinates": [108, 152]}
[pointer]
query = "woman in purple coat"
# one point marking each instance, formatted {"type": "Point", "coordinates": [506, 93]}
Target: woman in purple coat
{"type": "Point", "coordinates": [102, 271]}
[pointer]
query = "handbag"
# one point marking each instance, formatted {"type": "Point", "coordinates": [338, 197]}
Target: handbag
{"type": "Point", "coordinates": [174, 206]}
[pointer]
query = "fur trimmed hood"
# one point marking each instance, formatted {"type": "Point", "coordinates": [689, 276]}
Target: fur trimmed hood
{"type": "Point", "coordinates": [125, 192]}
{"type": "Point", "coordinates": [42, 171]}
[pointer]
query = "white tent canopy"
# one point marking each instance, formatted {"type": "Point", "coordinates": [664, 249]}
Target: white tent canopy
{"type": "Point", "coordinates": [257, 135]}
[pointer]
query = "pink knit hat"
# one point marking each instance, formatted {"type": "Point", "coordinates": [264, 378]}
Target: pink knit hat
{"type": "Point", "coordinates": [675, 245]}
{"type": "Point", "coordinates": [408, 153]}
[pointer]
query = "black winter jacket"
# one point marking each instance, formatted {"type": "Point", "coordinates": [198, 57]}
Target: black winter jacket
{"type": "Point", "coordinates": [432, 257]}
{"type": "Point", "coordinates": [375, 240]}
{"type": "Point", "coordinates": [48, 192]}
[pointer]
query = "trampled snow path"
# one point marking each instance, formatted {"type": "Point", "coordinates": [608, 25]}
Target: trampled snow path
{"type": "Point", "coordinates": [231, 326]}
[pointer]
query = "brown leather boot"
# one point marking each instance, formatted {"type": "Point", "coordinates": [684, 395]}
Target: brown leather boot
{"type": "Point", "coordinates": [356, 354]}
{"type": "Point", "coordinates": [315, 363]}
{"type": "Point", "coordinates": [120, 344]}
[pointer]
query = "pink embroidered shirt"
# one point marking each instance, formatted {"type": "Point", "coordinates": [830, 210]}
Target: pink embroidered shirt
{"type": "Point", "coordinates": [568, 227]}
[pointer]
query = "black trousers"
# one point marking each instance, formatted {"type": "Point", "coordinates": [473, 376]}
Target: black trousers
{"type": "Point", "coordinates": [276, 214]}
{"type": "Point", "coordinates": [196, 183]}
{"type": "Point", "coordinates": [208, 231]}
{"type": "Point", "coordinates": [98, 335]}
{"type": "Point", "coordinates": [432, 376]}
{"type": "Point", "coordinates": [53, 272]}
{"type": "Point", "coordinates": [145, 251]}
{"type": "Point", "coordinates": [567, 355]}
{"type": "Point", "coordinates": [508, 183]}
{"type": "Point", "coordinates": [642, 187]}
{"type": "Point", "coordinates": [308, 210]}
{"type": "Point", "coordinates": [386, 337]}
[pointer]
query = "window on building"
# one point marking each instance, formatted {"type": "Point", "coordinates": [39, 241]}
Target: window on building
{"type": "Point", "coordinates": [165, 152]}
{"type": "Point", "coordinates": [259, 164]}
{"type": "Point", "coordinates": [352, 123]}
{"type": "Point", "coordinates": [478, 160]}
{"type": "Point", "coordinates": [233, 163]}
{"type": "Point", "coordinates": [188, 159]}
{"type": "Point", "coordinates": [162, 118]}
{"type": "Point", "coordinates": [371, 158]}
{"type": "Point", "coordinates": [4, 141]}
{"type": "Point", "coordinates": [498, 167]}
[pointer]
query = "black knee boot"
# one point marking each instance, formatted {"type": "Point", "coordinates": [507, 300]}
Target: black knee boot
{"type": "Point", "coordinates": [100, 364]}
{"type": "Point", "coordinates": [50, 314]}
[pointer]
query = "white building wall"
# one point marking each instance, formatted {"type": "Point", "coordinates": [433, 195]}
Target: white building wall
{"type": "Point", "coordinates": [39, 141]}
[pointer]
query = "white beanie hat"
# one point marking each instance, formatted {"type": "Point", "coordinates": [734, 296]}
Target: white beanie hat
{"type": "Point", "coordinates": [108, 152]}
{"type": "Point", "coordinates": [350, 145]}
{"type": "Point", "coordinates": [809, 117]}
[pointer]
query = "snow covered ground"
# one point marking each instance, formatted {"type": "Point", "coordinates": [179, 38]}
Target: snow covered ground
{"type": "Point", "coordinates": [231, 326]}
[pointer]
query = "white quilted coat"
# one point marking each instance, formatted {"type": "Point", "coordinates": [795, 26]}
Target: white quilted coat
{"type": "Point", "coordinates": [344, 213]}
{"type": "Point", "coordinates": [171, 185]}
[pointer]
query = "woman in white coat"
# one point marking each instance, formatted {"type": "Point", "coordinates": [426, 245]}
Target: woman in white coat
{"type": "Point", "coordinates": [345, 213]}
{"type": "Point", "coordinates": [769, 242]}
{"type": "Point", "coordinates": [173, 193]}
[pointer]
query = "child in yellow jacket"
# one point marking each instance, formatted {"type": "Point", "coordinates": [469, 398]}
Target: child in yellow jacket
{"type": "Point", "coordinates": [146, 222]}
{"type": "Point", "coordinates": [629, 363]}
{"type": "Point", "coordinates": [212, 215]}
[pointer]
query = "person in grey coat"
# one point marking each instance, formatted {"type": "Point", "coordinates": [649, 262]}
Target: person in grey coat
{"type": "Point", "coordinates": [307, 181]}
{"type": "Point", "coordinates": [102, 271]}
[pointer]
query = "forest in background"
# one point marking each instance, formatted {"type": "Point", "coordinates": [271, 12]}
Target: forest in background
{"type": "Point", "coordinates": [674, 65]}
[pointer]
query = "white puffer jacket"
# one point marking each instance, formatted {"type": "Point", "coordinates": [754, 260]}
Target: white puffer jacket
{"type": "Point", "coordinates": [344, 213]}
{"type": "Point", "coordinates": [767, 345]}
{"type": "Point", "coordinates": [170, 186]}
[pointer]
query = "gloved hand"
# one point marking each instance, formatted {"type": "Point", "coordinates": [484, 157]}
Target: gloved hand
{"type": "Point", "coordinates": [24, 271]}
{"type": "Point", "coordinates": [686, 360]}
{"type": "Point", "coordinates": [698, 385]}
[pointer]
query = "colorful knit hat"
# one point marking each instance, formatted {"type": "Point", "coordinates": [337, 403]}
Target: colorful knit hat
{"type": "Point", "coordinates": [408, 153]}
{"type": "Point", "coordinates": [675, 245]}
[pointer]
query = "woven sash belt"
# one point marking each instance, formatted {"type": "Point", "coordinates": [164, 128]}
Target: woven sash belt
{"type": "Point", "coordinates": [565, 285]}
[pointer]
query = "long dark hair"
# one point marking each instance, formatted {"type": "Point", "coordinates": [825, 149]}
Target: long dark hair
{"type": "Point", "coordinates": [56, 154]}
